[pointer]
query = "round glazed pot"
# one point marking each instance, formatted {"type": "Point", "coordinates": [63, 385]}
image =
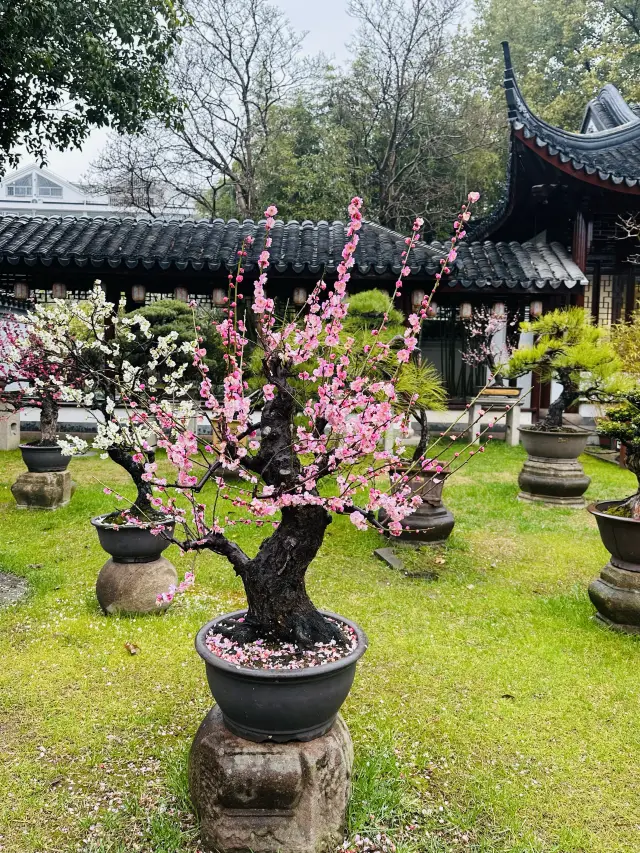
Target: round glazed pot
{"type": "Point", "coordinates": [620, 536]}
{"type": "Point", "coordinates": [279, 705]}
{"type": "Point", "coordinates": [129, 543]}
{"type": "Point", "coordinates": [42, 459]}
{"type": "Point", "coordinates": [554, 445]}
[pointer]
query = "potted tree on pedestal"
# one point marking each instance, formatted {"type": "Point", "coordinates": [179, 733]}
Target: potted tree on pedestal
{"type": "Point", "coordinates": [569, 350]}
{"type": "Point", "coordinates": [280, 669]}
{"type": "Point", "coordinates": [616, 593]}
{"type": "Point", "coordinates": [34, 376]}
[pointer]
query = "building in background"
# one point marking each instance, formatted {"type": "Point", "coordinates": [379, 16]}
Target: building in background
{"type": "Point", "coordinates": [35, 191]}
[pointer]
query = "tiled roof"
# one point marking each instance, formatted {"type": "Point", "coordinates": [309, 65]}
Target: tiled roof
{"type": "Point", "coordinates": [611, 154]}
{"type": "Point", "coordinates": [298, 247]}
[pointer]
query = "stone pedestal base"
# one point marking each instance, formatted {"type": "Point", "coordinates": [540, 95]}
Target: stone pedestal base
{"type": "Point", "coordinates": [616, 597]}
{"type": "Point", "coordinates": [43, 491]}
{"type": "Point", "coordinates": [557, 482]}
{"type": "Point", "coordinates": [133, 588]}
{"type": "Point", "coordinates": [268, 797]}
{"type": "Point", "coordinates": [9, 429]}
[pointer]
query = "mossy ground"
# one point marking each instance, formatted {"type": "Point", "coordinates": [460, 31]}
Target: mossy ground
{"type": "Point", "coordinates": [490, 714]}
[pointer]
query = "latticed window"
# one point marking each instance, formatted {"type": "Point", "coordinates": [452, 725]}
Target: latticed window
{"type": "Point", "coordinates": [22, 187]}
{"type": "Point", "coordinates": [47, 188]}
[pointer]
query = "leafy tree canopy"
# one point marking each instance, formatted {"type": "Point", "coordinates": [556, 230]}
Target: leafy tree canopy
{"type": "Point", "coordinates": [563, 53]}
{"type": "Point", "coordinates": [67, 66]}
{"type": "Point", "coordinates": [570, 350]}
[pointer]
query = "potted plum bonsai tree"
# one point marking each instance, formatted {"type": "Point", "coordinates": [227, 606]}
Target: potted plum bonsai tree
{"type": "Point", "coordinates": [616, 593]}
{"type": "Point", "coordinates": [569, 350]}
{"type": "Point", "coordinates": [281, 669]}
{"type": "Point", "coordinates": [120, 356]}
{"type": "Point", "coordinates": [26, 365]}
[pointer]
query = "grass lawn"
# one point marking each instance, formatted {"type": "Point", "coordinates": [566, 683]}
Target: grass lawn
{"type": "Point", "coordinates": [490, 714]}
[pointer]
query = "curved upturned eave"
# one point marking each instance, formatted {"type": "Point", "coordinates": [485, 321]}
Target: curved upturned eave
{"type": "Point", "coordinates": [565, 149]}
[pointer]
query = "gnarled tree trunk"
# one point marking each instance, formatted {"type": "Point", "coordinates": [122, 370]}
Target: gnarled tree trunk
{"type": "Point", "coordinates": [48, 420]}
{"type": "Point", "coordinates": [274, 580]}
{"type": "Point", "coordinates": [569, 394]}
{"type": "Point", "coordinates": [142, 507]}
{"type": "Point", "coordinates": [632, 462]}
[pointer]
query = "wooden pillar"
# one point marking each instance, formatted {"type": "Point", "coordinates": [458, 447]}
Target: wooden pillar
{"type": "Point", "coordinates": [595, 293]}
{"type": "Point", "coordinates": [580, 243]}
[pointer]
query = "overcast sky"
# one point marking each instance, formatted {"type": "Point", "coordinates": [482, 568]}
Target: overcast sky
{"type": "Point", "coordinates": [328, 27]}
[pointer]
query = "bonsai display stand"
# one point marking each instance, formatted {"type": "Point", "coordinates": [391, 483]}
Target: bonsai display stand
{"type": "Point", "coordinates": [270, 797]}
{"type": "Point", "coordinates": [48, 491]}
{"type": "Point", "coordinates": [496, 401]}
{"type": "Point", "coordinates": [556, 482]}
{"type": "Point", "coordinates": [133, 588]}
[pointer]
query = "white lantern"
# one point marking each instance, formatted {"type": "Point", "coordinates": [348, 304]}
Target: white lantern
{"type": "Point", "coordinates": [59, 290]}
{"type": "Point", "coordinates": [218, 296]}
{"type": "Point", "coordinates": [499, 310]}
{"type": "Point", "coordinates": [138, 293]}
{"type": "Point", "coordinates": [432, 310]}
{"type": "Point", "coordinates": [181, 294]}
{"type": "Point", "coordinates": [299, 296]}
{"type": "Point", "coordinates": [466, 311]}
{"type": "Point", "coordinates": [416, 298]}
{"type": "Point", "coordinates": [21, 290]}
{"type": "Point", "coordinates": [536, 308]}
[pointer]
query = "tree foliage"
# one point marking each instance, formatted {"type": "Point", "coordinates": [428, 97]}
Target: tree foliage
{"type": "Point", "coordinates": [567, 348]}
{"type": "Point", "coordinates": [563, 53]}
{"type": "Point", "coordinates": [67, 66]}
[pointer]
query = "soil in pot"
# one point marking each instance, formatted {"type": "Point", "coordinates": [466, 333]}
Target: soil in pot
{"type": "Point", "coordinates": [269, 691]}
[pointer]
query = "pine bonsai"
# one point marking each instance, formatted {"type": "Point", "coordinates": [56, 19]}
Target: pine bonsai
{"type": "Point", "coordinates": [571, 351]}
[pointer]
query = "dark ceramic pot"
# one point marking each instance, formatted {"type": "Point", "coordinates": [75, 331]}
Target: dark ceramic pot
{"type": "Point", "coordinates": [620, 536]}
{"type": "Point", "coordinates": [128, 543]}
{"type": "Point", "coordinates": [279, 705]}
{"type": "Point", "coordinates": [616, 593]}
{"type": "Point", "coordinates": [41, 459]}
{"type": "Point", "coordinates": [553, 445]}
{"type": "Point", "coordinates": [431, 522]}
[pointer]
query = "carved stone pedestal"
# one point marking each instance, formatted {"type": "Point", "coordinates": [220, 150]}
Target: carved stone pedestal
{"type": "Point", "coordinates": [270, 797]}
{"type": "Point", "coordinates": [557, 482]}
{"type": "Point", "coordinates": [616, 597]}
{"type": "Point", "coordinates": [43, 491]}
{"type": "Point", "coordinates": [133, 588]}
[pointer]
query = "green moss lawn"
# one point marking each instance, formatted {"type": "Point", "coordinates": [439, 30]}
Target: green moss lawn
{"type": "Point", "coordinates": [490, 714]}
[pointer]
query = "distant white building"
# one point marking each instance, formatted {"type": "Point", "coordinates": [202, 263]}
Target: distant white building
{"type": "Point", "coordinates": [35, 191]}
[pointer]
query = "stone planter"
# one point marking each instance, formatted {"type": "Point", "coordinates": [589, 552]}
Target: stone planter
{"type": "Point", "coordinates": [130, 543]}
{"type": "Point", "coordinates": [279, 705]}
{"type": "Point", "coordinates": [41, 459]}
{"type": "Point", "coordinates": [431, 522]}
{"type": "Point", "coordinates": [552, 473]}
{"type": "Point", "coordinates": [136, 573]}
{"type": "Point", "coordinates": [616, 593]}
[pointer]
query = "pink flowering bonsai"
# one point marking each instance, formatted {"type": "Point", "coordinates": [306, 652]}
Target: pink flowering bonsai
{"type": "Point", "coordinates": [291, 475]}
